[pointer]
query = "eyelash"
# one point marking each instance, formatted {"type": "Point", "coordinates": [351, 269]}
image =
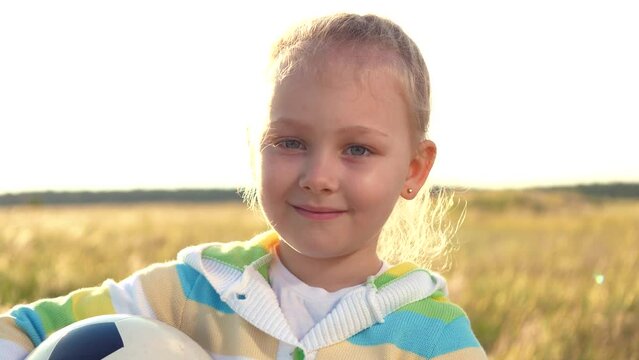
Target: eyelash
{"type": "Point", "coordinates": [282, 144]}
{"type": "Point", "coordinates": [367, 151]}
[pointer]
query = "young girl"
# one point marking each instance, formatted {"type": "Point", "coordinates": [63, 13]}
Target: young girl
{"type": "Point", "coordinates": [344, 145]}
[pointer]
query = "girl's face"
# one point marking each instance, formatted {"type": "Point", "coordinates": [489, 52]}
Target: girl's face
{"type": "Point", "coordinates": [337, 154]}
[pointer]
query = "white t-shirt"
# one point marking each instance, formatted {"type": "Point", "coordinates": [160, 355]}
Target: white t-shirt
{"type": "Point", "coordinates": [303, 305]}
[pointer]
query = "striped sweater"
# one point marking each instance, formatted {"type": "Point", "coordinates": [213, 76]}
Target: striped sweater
{"type": "Point", "coordinates": [219, 294]}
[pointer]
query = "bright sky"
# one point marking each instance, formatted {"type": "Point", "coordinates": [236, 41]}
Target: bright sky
{"type": "Point", "coordinates": [157, 94]}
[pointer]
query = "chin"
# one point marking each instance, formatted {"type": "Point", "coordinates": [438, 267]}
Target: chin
{"type": "Point", "coordinates": [315, 247]}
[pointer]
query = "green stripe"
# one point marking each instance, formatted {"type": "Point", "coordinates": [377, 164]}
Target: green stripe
{"type": "Point", "coordinates": [55, 314]}
{"type": "Point", "coordinates": [264, 270]}
{"type": "Point", "coordinates": [444, 311]}
{"type": "Point", "coordinates": [383, 279]}
{"type": "Point", "coordinates": [235, 254]}
{"type": "Point", "coordinates": [80, 304]}
{"type": "Point", "coordinates": [387, 277]}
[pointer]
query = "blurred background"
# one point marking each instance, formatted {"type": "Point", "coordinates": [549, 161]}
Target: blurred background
{"type": "Point", "coordinates": [534, 114]}
{"type": "Point", "coordinates": [143, 94]}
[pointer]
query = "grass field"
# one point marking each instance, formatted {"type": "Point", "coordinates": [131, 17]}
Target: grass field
{"type": "Point", "coordinates": [541, 275]}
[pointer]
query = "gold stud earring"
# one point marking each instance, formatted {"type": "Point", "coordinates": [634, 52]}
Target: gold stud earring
{"type": "Point", "coordinates": [409, 190]}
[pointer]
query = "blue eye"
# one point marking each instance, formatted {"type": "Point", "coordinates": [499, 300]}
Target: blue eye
{"type": "Point", "coordinates": [357, 150]}
{"type": "Point", "coordinates": [290, 144]}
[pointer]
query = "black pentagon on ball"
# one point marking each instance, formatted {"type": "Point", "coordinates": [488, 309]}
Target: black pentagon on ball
{"type": "Point", "coordinates": [94, 341]}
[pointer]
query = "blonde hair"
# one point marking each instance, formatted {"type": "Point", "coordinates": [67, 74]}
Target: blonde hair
{"type": "Point", "coordinates": [417, 230]}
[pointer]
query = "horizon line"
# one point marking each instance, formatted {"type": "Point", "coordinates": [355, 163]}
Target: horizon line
{"type": "Point", "coordinates": [239, 188]}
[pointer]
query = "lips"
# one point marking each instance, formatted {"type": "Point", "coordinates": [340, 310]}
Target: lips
{"type": "Point", "coordinates": [318, 213]}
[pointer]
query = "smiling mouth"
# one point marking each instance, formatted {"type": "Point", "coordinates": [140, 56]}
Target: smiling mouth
{"type": "Point", "coordinates": [315, 213]}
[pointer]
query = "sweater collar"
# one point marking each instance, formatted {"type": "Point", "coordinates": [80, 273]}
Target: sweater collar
{"type": "Point", "coordinates": [238, 271]}
{"type": "Point", "coordinates": [258, 252]}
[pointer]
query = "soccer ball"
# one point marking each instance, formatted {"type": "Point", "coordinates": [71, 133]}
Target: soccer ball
{"type": "Point", "coordinates": [115, 337]}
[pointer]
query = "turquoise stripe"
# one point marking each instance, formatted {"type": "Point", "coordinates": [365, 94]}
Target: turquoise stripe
{"type": "Point", "coordinates": [29, 321]}
{"type": "Point", "coordinates": [197, 288]}
{"type": "Point", "coordinates": [457, 335]}
{"type": "Point", "coordinates": [418, 334]}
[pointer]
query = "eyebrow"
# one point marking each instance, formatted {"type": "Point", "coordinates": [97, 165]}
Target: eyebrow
{"type": "Point", "coordinates": [357, 129]}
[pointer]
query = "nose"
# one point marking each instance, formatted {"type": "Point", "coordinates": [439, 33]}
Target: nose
{"type": "Point", "coordinates": [320, 174]}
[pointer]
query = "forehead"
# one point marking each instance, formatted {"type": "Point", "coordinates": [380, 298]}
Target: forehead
{"type": "Point", "coordinates": [335, 68]}
{"type": "Point", "coordinates": [335, 63]}
{"type": "Point", "coordinates": [336, 94]}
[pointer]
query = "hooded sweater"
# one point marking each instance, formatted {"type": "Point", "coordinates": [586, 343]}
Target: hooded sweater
{"type": "Point", "coordinates": [219, 295]}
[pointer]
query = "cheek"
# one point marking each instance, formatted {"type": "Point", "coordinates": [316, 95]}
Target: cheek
{"type": "Point", "coordinates": [373, 203]}
{"type": "Point", "coordinates": [269, 171]}
{"type": "Point", "coordinates": [275, 178]}
{"type": "Point", "coordinates": [275, 171]}
{"type": "Point", "coordinates": [379, 188]}
{"type": "Point", "coordinates": [384, 177]}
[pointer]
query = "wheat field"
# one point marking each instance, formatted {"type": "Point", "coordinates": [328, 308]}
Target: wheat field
{"type": "Point", "coordinates": [541, 275]}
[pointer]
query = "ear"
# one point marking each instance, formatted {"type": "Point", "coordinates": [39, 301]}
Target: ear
{"type": "Point", "coordinates": [419, 169]}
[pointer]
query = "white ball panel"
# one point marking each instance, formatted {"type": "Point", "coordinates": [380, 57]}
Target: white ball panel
{"type": "Point", "coordinates": [142, 337]}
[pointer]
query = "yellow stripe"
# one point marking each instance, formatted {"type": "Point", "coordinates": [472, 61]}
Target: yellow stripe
{"type": "Point", "coordinates": [401, 269]}
{"type": "Point", "coordinates": [91, 302]}
{"type": "Point", "coordinates": [266, 240]}
{"type": "Point", "coordinates": [215, 332]}
{"type": "Point", "coordinates": [441, 299]}
{"type": "Point", "coordinates": [9, 331]}
{"type": "Point", "coordinates": [470, 353]}
{"type": "Point", "coordinates": [357, 352]}
{"type": "Point", "coordinates": [226, 334]}
{"type": "Point", "coordinates": [163, 292]}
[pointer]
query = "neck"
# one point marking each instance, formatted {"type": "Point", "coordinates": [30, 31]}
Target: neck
{"type": "Point", "coordinates": [333, 273]}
